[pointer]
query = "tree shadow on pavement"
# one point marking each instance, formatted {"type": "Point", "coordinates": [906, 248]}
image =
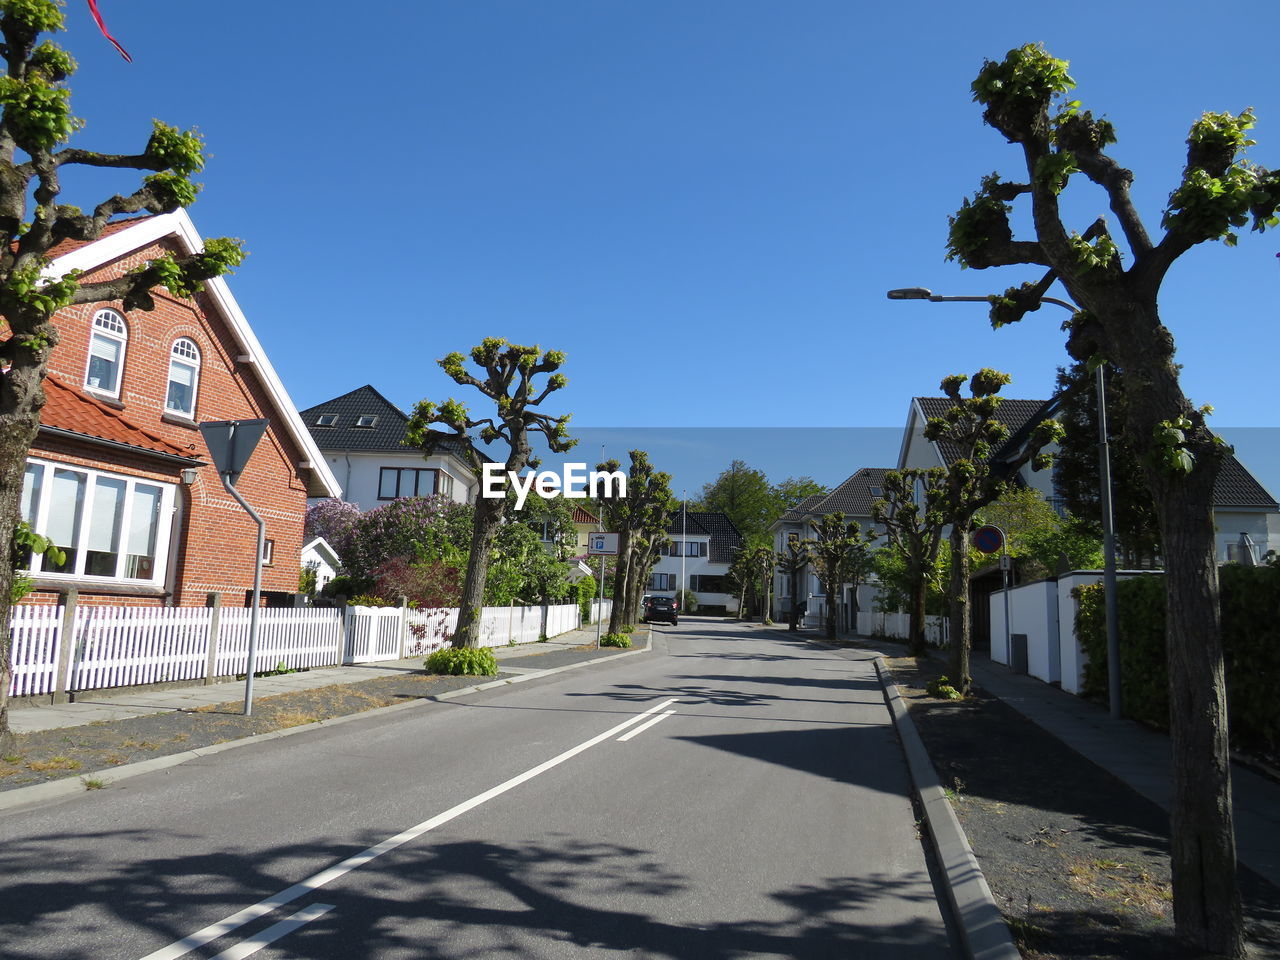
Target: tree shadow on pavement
{"type": "Point", "coordinates": [460, 899]}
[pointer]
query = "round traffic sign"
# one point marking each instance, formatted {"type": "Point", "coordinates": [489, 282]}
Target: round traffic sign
{"type": "Point", "coordinates": [988, 539]}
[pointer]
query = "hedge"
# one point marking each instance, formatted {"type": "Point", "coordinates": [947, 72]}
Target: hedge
{"type": "Point", "coordinates": [1250, 604]}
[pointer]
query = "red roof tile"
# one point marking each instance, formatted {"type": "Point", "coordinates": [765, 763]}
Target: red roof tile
{"type": "Point", "coordinates": [67, 409]}
{"type": "Point", "coordinates": [64, 247]}
{"type": "Point", "coordinates": [582, 516]}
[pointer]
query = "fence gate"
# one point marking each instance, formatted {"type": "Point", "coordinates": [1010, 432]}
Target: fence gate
{"type": "Point", "coordinates": [373, 633]}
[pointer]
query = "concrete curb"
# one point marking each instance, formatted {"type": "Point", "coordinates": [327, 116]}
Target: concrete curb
{"type": "Point", "coordinates": [41, 793]}
{"type": "Point", "coordinates": [982, 928]}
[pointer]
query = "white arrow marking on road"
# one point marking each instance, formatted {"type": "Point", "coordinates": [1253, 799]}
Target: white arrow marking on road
{"type": "Point", "coordinates": [263, 907]}
{"type": "Point", "coordinates": [644, 726]}
{"type": "Point", "coordinates": [248, 948]}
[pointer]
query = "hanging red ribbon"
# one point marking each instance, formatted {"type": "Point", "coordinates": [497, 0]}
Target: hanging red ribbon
{"type": "Point", "coordinates": [93, 8]}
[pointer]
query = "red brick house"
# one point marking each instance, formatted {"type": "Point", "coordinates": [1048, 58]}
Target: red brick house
{"type": "Point", "coordinates": [119, 476]}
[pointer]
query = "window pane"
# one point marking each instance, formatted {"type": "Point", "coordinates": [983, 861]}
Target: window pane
{"type": "Point", "coordinates": [32, 481]}
{"type": "Point", "coordinates": [104, 528]}
{"type": "Point", "coordinates": [66, 507]}
{"type": "Point", "coordinates": [388, 481]}
{"type": "Point", "coordinates": [104, 364]}
{"type": "Point", "coordinates": [182, 388]}
{"type": "Point", "coordinates": [144, 523]}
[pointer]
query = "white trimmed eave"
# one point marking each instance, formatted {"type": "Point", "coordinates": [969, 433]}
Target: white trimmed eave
{"type": "Point", "coordinates": [322, 482]}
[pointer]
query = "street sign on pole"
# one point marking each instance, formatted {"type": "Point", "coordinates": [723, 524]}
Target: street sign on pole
{"type": "Point", "coordinates": [602, 544]}
{"type": "Point", "coordinates": [988, 539]}
{"type": "Point", "coordinates": [231, 443]}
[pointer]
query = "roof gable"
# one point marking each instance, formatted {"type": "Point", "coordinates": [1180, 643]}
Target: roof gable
{"type": "Point", "coordinates": [1014, 414]}
{"type": "Point", "coordinates": [854, 496]}
{"type": "Point", "coordinates": [384, 435]}
{"type": "Point", "coordinates": [126, 236]}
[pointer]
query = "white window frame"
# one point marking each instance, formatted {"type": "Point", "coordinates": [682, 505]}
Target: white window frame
{"type": "Point", "coordinates": [189, 358]}
{"type": "Point", "coordinates": [268, 551]}
{"type": "Point", "coordinates": [43, 507]}
{"type": "Point", "coordinates": [108, 325]}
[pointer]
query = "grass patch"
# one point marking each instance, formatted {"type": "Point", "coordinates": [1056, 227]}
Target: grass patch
{"type": "Point", "coordinates": [93, 783]}
{"type": "Point", "coordinates": [1105, 879]}
{"type": "Point", "coordinates": [53, 763]}
{"type": "Point", "coordinates": [615, 640]}
{"type": "Point", "coordinates": [293, 718]}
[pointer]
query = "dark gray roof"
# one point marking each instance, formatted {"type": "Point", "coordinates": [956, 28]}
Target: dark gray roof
{"type": "Point", "coordinates": [854, 497]}
{"type": "Point", "coordinates": [1014, 414]}
{"type": "Point", "coordinates": [725, 538]}
{"type": "Point", "coordinates": [1236, 487]}
{"type": "Point", "coordinates": [802, 509]}
{"type": "Point", "coordinates": [384, 436]}
{"type": "Point", "coordinates": [680, 524]}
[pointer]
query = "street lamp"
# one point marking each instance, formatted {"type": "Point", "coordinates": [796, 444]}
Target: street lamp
{"type": "Point", "coordinates": [1104, 482]}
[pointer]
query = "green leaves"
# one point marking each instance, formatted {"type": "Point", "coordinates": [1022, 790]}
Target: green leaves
{"type": "Point", "coordinates": [977, 224]}
{"type": "Point", "coordinates": [1027, 73]}
{"type": "Point", "coordinates": [39, 16]}
{"type": "Point", "coordinates": [181, 151]}
{"type": "Point", "coordinates": [1054, 169]}
{"type": "Point", "coordinates": [1171, 446]}
{"type": "Point", "coordinates": [45, 296]}
{"type": "Point", "coordinates": [1101, 253]}
{"type": "Point", "coordinates": [172, 190]}
{"type": "Point", "coordinates": [38, 114]}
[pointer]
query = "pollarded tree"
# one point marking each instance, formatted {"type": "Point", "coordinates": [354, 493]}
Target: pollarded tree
{"type": "Point", "coordinates": [841, 554]}
{"type": "Point", "coordinates": [911, 515]}
{"type": "Point", "coordinates": [793, 561]}
{"type": "Point", "coordinates": [507, 378]}
{"type": "Point", "coordinates": [638, 518]}
{"type": "Point", "coordinates": [1119, 321]}
{"type": "Point", "coordinates": [971, 428]}
{"type": "Point", "coordinates": [36, 126]}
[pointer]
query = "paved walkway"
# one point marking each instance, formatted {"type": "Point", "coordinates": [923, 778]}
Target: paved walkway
{"type": "Point", "coordinates": [1134, 754]}
{"type": "Point", "coordinates": [88, 708]}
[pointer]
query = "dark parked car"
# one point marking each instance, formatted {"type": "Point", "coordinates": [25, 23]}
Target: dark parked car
{"type": "Point", "coordinates": [662, 609]}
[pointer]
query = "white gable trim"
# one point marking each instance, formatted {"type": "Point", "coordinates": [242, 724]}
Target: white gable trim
{"type": "Point", "coordinates": [178, 224]}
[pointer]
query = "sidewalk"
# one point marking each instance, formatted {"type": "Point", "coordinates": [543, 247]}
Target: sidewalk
{"type": "Point", "coordinates": [1139, 757]}
{"type": "Point", "coordinates": [91, 708]}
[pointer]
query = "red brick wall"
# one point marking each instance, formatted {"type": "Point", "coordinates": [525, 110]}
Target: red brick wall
{"type": "Point", "coordinates": [217, 538]}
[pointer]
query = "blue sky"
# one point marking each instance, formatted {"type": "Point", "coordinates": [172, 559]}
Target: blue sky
{"type": "Point", "coordinates": [702, 203]}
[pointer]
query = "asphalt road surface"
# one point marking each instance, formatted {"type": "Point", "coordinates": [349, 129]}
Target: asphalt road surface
{"type": "Point", "coordinates": [730, 794]}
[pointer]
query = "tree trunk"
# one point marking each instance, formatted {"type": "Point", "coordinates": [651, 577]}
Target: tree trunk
{"type": "Point", "coordinates": [21, 397]}
{"type": "Point", "coordinates": [621, 581]}
{"type": "Point", "coordinates": [1206, 900]}
{"type": "Point", "coordinates": [487, 518]}
{"type": "Point", "coordinates": [916, 643]}
{"type": "Point", "coordinates": [793, 616]}
{"type": "Point", "coordinates": [831, 609]}
{"type": "Point", "coordinates": [961, 641]}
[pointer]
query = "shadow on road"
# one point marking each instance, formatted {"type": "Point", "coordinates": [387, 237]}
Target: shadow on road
{"type": "Point", "coordinates": [461, 899]}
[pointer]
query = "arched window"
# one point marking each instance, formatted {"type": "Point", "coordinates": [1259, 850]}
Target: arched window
{"type": "Point", "coordinates": [184, 377]}
{"type": "Point", "coordinates": [106, 353]}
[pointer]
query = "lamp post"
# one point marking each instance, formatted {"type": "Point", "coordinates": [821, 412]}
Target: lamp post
{"type": "Point", "coordinates": [1104, 496]}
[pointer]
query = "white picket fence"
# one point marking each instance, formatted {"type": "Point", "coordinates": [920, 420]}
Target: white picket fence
{"type": "Point", "coordinates": [117, 646]}
{"type": "Point", "coordinates": [897, 626]}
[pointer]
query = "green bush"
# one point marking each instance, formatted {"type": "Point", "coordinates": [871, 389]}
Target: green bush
{"type": "Point", "coordinates": [942, 689]}
{"type": "Point", "coordinates": [615, 640]}
{"type": "Point", "coordinates": [586, 593]}
{"type": "Point", "coordinates": [1249, 597]}
{"type": "Point", "coordinates": [463, 661]}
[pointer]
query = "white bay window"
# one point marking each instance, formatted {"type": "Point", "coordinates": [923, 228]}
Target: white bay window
{"type": "Point", "coordinates": [109, 526]}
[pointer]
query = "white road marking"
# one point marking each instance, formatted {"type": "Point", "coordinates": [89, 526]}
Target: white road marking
{"type": "Point", "coordinates": [644, 726]}
{"type": "Point", "coordinates": [312, 883]}
{"type": "Point", "coordinates": [247, 948]}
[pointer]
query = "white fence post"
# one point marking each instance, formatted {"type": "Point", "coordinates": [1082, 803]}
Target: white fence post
{"type": "Point", "coordinates": [214, 602]}
{"type": "Point", "coordinates": [68, 639]}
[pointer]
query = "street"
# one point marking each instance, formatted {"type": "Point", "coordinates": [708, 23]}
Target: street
{"type": "Point", "coordinates": [730, 794]}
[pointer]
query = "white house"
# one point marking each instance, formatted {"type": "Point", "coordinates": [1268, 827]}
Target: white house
{"type": "Point", "coordinates": [702, 547]}
{"type": "Point", "coordinates": [853, 498]}
{"type": "Point", "coordinates": [317, 555]}
{"type": "Point", "coordinates": [360, 434]}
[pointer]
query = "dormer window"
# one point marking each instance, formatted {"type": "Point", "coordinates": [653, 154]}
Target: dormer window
{"type": "Point", "coordinates": [184, 377]}
{"type": "Point", "coordinates": [327, 420]}
{"type": "Point", "coordinates": [366, 420]}
{"type": "Point", "coordinates": [106, 353]}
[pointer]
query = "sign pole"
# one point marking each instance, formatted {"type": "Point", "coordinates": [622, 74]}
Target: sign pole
{"type": "Point", "coordinates": [231, 443]}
